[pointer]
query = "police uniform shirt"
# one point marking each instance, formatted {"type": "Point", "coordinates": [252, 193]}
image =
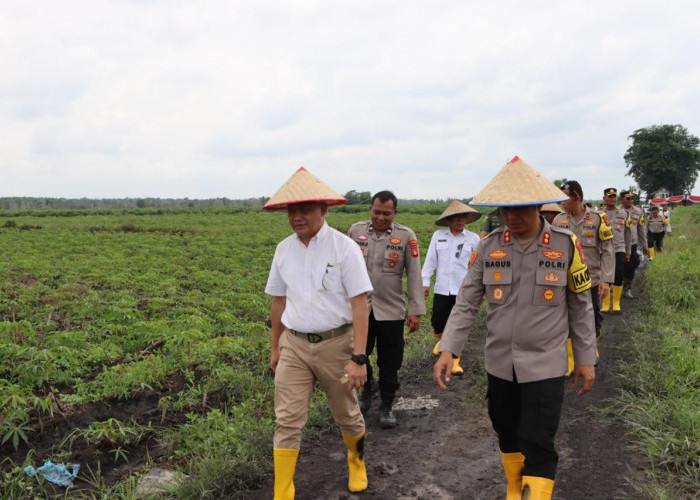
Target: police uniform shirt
{"type": "Point", "coordinates": [534, 302]}
{"type": "Point", "coordinates": [595, 235]}
{"type": "Point", "coordinates": [387, 256]}
{"type": "Point", "coordinates": [657, 224]}
{"type": "Point", "coordinates": [447, 257]}
{"type": "Point", "coordinates": [317, 280]}
{"type": "Point", "coordinates": [620, 225]}
{"type": "Point", "coordinates": [639, 234]}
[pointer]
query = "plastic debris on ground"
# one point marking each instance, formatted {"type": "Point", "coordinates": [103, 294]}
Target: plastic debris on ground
{"type": "Point", "coordinates": [55, 473]}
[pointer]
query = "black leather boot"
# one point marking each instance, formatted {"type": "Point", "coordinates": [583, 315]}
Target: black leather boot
{"type": "Point", "coordinates": [387, 419]}
{"type": "Point", "coordinates": [365, 399]}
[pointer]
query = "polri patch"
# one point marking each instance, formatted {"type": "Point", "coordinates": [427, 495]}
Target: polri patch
{"type": "Point", "coordinates": [413, 245]}
{"type": "Point", "coordinates": [471, 259]}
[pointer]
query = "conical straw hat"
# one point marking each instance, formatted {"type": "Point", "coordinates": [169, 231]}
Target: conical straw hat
{"type": "Point", "coordinates": [518, 184]}
{"type": "Point", "coordinates": [551, 207]}
{"type": "Point", "coordinates": [456, 208]}
{"type": "Point", "coordinates": [303, 186]}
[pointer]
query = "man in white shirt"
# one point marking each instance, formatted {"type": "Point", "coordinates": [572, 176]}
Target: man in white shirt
{"type": "Point", "coordinates": [448, 257]}
{"type": "Point", "coordinates": [319, 285]}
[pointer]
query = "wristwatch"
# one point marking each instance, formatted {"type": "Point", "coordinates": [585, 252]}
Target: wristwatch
{"type": "Point", "coordinates": [360, 359]}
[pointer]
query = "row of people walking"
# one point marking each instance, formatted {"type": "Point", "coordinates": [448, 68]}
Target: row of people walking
{"type": "Point", "coordinates": [337, 298]}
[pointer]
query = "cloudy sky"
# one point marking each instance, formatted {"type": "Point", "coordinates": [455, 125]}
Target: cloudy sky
{"type": "Point", "coordinates": [427, 98]}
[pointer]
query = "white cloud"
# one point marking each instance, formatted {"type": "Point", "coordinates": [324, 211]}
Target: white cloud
{"type": "Point", "coordinates": [228, 98]}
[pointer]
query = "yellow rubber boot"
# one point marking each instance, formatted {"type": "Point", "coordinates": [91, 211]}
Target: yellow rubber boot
{"type": "Point", "coordinates": [456, 369]}
{"type": "Point", "coordinates": [285, 465]}
{"type": "Point", "coordinates": [537, 488]}
{"type": "Point", "coordinates": [357, 478]}
{"type": "Point", "coordinates": [617, 295]}
{"type": "Point", "coordinates": [570, 357]}
{"type": "Point", "coordinates": [651, 253]}
{"type": "Point", "coordinates": [605, 304]}
{"type": "Point", "coordinates": [436, 351]}
{"type": "Point", "coordinates": [513, 468]}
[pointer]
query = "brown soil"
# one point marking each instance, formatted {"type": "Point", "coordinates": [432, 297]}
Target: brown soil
{"type": "Point", "coordinates": [451, 451]}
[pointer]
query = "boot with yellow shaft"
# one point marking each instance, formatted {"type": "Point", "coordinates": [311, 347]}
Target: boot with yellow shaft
{"type": "Point", "coordinates": [357, 478]}
{"type": "Point", "coordinates": [537, 488]}
{"type": "Point", "coordinates": [513, 468]}
{"type": "Point", "coordinates": [285, 464]}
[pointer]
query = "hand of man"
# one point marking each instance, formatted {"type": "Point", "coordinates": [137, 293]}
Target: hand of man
{"type": "Point", "coordinates": [426, 289]}
{"type": "Point", "coordinates": [627, 257]}
{"type": "Point", "coordinates": [413, 323]}
{"type": "Point", "coordinates": [645, 251]}
{"type": "Point", "coordinates": [603, 289]}
{"type": "Point", "coordinates": [274, 358]}
{"type": "Point", "coordinates": [587, 375]}
{"type": "Point", "coordinates": [357, 374]}
{"type": "Point", "coordinates": [444, 364]}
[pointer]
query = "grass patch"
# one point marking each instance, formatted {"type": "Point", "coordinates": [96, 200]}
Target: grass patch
{"type": "Point", "coordinates": [661, 377]}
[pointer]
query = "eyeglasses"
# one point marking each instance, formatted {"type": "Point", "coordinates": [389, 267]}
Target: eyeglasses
{"type": "Point", "coordinates": [459, 250]}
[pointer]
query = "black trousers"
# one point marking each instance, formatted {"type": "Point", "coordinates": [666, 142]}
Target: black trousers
{"type": "Point", "coordinates": [619, 266]}
{"type": "Point", "coordinates": [442, 307]}
{"type": "Point", "coordinates": [388, 337]}
{"type": "Point", "coordinates": [655, 240]}
{"type": "Point", "coordinates": [526, 418]}
{"type": "Point", "coordinates": [632, 265]}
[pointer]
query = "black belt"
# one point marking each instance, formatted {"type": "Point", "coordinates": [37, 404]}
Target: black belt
{"type": "Point", "coordinates": [317, 337]}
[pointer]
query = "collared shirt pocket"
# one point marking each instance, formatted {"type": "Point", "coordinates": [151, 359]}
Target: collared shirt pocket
{"type": "Point", "coordinates": [332, 279]}
{"type": "Point", "coordinates": [549, 287]}
{"type": "Point", "coordinates": [498, 283]}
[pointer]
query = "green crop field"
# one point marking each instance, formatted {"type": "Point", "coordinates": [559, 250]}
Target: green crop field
{"type": "Point", "coordinates": [133, 337]}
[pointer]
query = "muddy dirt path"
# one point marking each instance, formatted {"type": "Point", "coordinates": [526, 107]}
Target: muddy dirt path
{"type": "Point", "coordinates": [450, 451]}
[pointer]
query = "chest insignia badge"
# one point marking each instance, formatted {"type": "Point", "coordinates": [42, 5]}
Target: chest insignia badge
{"type": "Point", "coordinates": [548, 294]}
{"type": "Point", "coordinates": [395, 241]}
{"type": "Point", "coordinates": [552, 278]}
{"type": "Point", "coordinates": [498, 254]}
{"type": "Point", "coordinates": [362, 237]}
{"type": "Point", "coordinates": [552, 254]}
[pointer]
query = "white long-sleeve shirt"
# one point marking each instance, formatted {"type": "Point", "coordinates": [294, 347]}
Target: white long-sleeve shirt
{"type": "Point", "coordinates": [448, 257]}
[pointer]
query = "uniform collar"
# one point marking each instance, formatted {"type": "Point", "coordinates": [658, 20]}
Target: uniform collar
{"type": "Point", "coordinates": [389, 230]}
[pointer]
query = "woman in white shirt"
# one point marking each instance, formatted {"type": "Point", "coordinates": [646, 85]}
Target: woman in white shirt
{"type": "Point", "coordinates": [448, 258]}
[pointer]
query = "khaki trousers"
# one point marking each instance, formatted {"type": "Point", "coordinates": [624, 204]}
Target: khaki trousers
{"type": "Point", "coordinates": [301, 364]}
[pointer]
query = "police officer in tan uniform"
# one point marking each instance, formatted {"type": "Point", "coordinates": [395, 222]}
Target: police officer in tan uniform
{"type": "Point", "coordinates": [318, 316]}
{"type": "Point", "coordinates": [536, 284]}
{"type": "Point", "coordinates": [595, 235]}
{"type": "Point", "coordinates": [390, 250]}
{"type": "Point", "coordinates": [622, 242]}
{"type": "Point", "coordinates": [657, 227]}
{"type": "Point", "coordinates": [638, 232]}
